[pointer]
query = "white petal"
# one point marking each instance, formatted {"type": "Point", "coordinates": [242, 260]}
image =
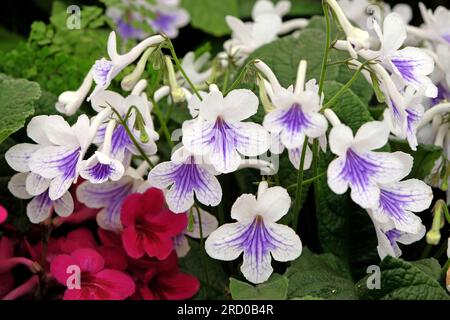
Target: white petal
{"type": "Point", "coordinates": [336, 182]}
{"type": "Point", "coordinates": [318, 125]}
{"type": "Point", "coordinates": [64, 206]}
{"type": "Point", "coordinates": [367, 196]}
{"type": "Point", "coordinates": [244, 208]}
{"type": "Point", "coordinates": [36, 130]}
{"type": "Point", "coordinates": [273, 204]}
{"type": "Point", "coordinates": [394, 32]}
{"type": "Point", "coordinates": [59, 186]}
{"type": "Point", "coordinates": [18, 156]}
{"type": "Point", "coordinates": [394, 166]}
{"type": "Point", "coordinates": [295, 157]}
{"type": "Point", "coordinates": [288, 245]}
{"type": "Point", "coordinates": [340, 139]}
{"type": "Point", "coordinates": [36, 184]}
{"type": "Point", "coordinates": [179, 200]}
{"type": "Point", "coordinates": [52, 161]}
{"type": "Point", "coordinates": [257, 268]}
{"type": "Point", "coordinates": [17, 186]}
{"type": "Point", "coordinates": [209, 191]}
{"type": "Point", "coordinates": [212, 106]}
{"type": "Point", "coordinates": [371, 136]}
{"type": "Point", "coordinates": [418, 192]}
{"type": "Point", "coordinates": [220, 245]}
{"type": "Point", "coordinates": [253, 139]}
{"type": "Point", "coordinates": [196, 136]}
{"type": "Point", "coordinates": [39, 208]}
{"type": "Point", "coordinates": [161, 175]}
{"type": "Point", "coordinates": [60, 133]}
{"type": "Point", "coordinates": [181, 245]}
{"type": "Point", "coordinates": [239, 105]}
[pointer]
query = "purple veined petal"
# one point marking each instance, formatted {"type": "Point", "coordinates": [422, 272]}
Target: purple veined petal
{"type": "Point", "coordinates": [295, 157]}
{"type": "Point", "coordinates": [109, 196]}
{"type": "Point", "coordinates": [392, 208]}
{"type": "Point", "coordinates": [443, 94]}
{"type": "Point", "coordinates": [387, 243]}
{"type": "Point", "coordinates": [196, 136]}
{"type": "Point", "coordinates": [101, 72]}
{"type": "Point", "coordinates": [253, 238]}
{"type": "Point", "coordinates": [178, 199]}
{"type": "Point", "coordinates": [207, 188]}
{"type": "Point", "coordinates": [64, 206]}
{"type": "Point", "coordinates": [127, 31]}
{"type": "Point", "coordinates": [36, 184]}
{"type": "Point", "coordinates": [289, 245]}
{"type": "Point", "coordinates": [413, 116]}
{"type": "Point", "coordinates": [39, 208]}
{"type": "Point", "coordinates": [120, 141]}
{"type": "Point", "coordinates": [412, 64]}
{"type": "Point", "coordinates": [101, 168]}
{"type": "Point", "coordinates": [181, 245]}
{"type": "Point", "coordinates": [18, 156]}
{"type": "Point", "coordinates": [161, 175]}
{"type": "Point", "coordinates": [209, 224]}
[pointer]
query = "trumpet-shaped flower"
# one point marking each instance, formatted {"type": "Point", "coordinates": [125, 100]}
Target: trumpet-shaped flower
{"type": "Point", "coordinates": [219, 134]}
{"type": "Point", "coordinates": [186, 175]}
{"type": "Point", "coordinates": [437, 23]}
{"type": "Point", "coordinates": [100, 167]}
{"type": "Point", "coordinates": [410, 65]}
{"type": "Point", "coordinates": [105, 70]}
{"type": "Point", "coordinates": [70, 101]}
{"type": "Point", "coordinates": [256, 233]}
{"type": "Point", "coordinates": [193, 67]}
{"type": "Point", "coordinates": [360, 168]}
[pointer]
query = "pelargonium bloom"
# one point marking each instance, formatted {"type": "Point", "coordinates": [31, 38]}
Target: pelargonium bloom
{"type": "Point", "coordinates": [186, 175]}
{"type": "Point", "coordinates": [360, 168]}
{"type": "Point", "coordinates": [163, 280]}
{"type": "Point", "coordinates": [256, 233]}
{"type": "Point", "coordinates": [209, 223]}
{"type": "Point", "coordinates": [218, 132]}
{"type": "Point", "coordinates": [148, 226]}
{"type": "Point", "coordinates": [96, 282]}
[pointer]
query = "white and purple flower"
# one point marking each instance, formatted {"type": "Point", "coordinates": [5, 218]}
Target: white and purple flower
{"type": "Point", "coordinates": [219, 134]}
{"type": "Point", "coordinates": [184, 176]}
{"type": "Point", "coordinates": [32, 186]}
{"type": "Point", "coordinates": [256, 233]}
{"type": "Point", "coordinates": [295, 114]}
{"type": "Point", "coordinates": [360, 168]}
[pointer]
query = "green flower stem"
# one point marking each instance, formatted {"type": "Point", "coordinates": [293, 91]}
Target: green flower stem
{"type": "Point", "coordinates": [323, 71]}
{"type": "Point", "coordinates": [298, 194]}
{"type": "Point", "coordinates": [226, 78]}
{"type": "Point", "coordinates": [239, 77]}
{"type": "Point", "coordinates": [341, 91]}
{"type": "Point", "coordinates": [162, 122]}
{"type": "Point", "coordinates": [202, 250]}
{"type": "Point", "coordinates": [178, 64]}
{"type": "Point", "coordinates": [307, 181]}
{"type": "Point", "coordinates": [131, 136]}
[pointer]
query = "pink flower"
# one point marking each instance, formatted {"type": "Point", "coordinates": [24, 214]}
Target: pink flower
{"type": "Point", "coordinates": [96, 282]}
{"type": "Point", "coordinates": [3, 214]}
{"type": "Point", "coordinates": [164, 281]}
{"type": "Point", "coordinates": [148, 226]}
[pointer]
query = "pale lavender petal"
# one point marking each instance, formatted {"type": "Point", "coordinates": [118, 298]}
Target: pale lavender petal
{"type": "Point", "coordinates": [40, 208]}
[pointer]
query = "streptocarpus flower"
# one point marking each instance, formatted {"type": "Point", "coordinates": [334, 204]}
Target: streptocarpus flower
{"type": "Point", "coordinates": [411, 65]}
{"type": "Point", "coordinates": [209, 224]}
{"type": "Point", "coordinates": [219, 134]}
{"type": "Point", "coordinates": [30, 185]}
{"type": "Point", "coordinates": [296, 112]}
{"type": "Point", "coordinates": [96, 282]}
{"type": "Point", "coordinates": [388, 236]}
{"type": "Point", "coordinates": [360, 168]}
{"type": "Point", "coordinates": [437, 23]}
{"type": "Point", "coordinates": [399, 200]}
{"type": "Point", "coordinates": [168, 18]}
{"type": "Point", "coordinates": [148, 226]}
{"type": "Point", "coordinates": [163, 280]}
{"type": "Point", "coordinates": [121, 146]}
{"type": "Point", "coordinates": [193, 67]}
{"type": "Point", "coordinates": [186, 175]}
{"type": "Point", "coordinates": [105, 70]}
{"type": "Point", "coordinates": [256, 233]}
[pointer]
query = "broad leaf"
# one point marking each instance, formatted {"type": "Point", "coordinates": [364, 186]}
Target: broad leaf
{"type": "Point", "coordinates": [274, 289]}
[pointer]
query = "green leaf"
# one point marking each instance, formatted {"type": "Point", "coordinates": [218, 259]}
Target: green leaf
{"type": "Point", "coordinates": [17, 98]}
{"type": "Point", "coordinates": [9, 40]}
{"type": "Point", "coordinates": [430, 266]}
{"type": "Point", "coordinates": [424, 158]}
{"type": "Point", "coordinates": [193, 264]}
{"type": "Point", "coordinates": [274, 289]}
{"type": "Point", "coordinates": [320, 276]}
{"type": "Point", "coordinates": [402, 280]}
{"type": "Point", "coordinates": [209, 15]}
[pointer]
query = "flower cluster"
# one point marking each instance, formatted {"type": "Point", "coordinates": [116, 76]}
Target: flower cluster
{"type": "Point", "coordinates": [150, 198]}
